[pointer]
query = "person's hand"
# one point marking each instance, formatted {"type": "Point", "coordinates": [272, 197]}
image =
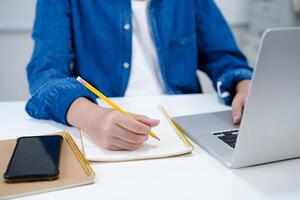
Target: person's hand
{"type": "Point", "coordinates": [109, 128]}
{"type": "Point", "coordinates": [239, 100]}
{"type": "Point", "coordinates": [115, 131]}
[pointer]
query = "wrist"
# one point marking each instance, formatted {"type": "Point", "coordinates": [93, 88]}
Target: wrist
{"type": "Point", "coordinates": [243, 86]}
{"type": "Point", "coordinates": [82, 113]}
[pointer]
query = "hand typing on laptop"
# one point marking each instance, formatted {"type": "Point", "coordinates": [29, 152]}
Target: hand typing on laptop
{"type": "Point", "coordinates": [239, 100]}
{"type": "Point", "coordinates": [270, 127]}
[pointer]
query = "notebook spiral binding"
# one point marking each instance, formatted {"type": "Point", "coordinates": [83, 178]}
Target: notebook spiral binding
{"type": "Point", "coordinates": [177, 128]}
{"type": "Point", "coordinates": [84, 163]}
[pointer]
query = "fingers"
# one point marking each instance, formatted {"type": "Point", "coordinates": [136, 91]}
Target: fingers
{"type": "Point", "coordinates": [147, 120]}
{"type": "Point", "coordinates": [132, 125]}
{"type": "Point", "coordinates": [239, 100]}
{"type": "Point", "coordinates": [129, 136]}
{"type": "Point", "coordinates": [113, 148]}
{"type": "Point", "coordinates": [237, 109]}
{"type": "Point", "coordinates": [123, 145]}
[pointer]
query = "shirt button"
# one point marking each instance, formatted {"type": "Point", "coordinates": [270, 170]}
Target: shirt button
{"type": "Point", "coordinates": [126, 65]}
{"type": "Point", "coordinates": [127, 27]}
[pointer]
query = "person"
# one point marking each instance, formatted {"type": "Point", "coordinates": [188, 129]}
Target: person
{"type": "Point", "coordinates": [128, 48]}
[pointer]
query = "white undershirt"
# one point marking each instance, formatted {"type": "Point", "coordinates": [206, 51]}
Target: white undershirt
{"type": "Point", "coordinates": [145, 77]}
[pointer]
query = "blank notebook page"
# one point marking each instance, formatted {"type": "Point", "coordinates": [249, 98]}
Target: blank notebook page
{"type": "Point", "coordinates": [170, 143]}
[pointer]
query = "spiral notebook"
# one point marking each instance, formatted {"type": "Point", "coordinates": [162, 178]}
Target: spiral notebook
{"type": "Point", "coordinates": [172, 142]}
{"type": "Point", "coordinates": [74, 171]}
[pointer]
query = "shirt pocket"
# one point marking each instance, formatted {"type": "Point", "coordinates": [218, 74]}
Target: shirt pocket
{"type": "Point", "coordinates": [183, 60]}
{"type": "Point", "coordinates": [182, 41]}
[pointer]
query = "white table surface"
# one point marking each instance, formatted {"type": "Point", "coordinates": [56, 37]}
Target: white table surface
{"type": "Point", "coordinates": [198, 176]}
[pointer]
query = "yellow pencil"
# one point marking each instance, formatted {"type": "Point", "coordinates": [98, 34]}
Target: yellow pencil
{"type": "Point", "coordinates": [110, 102]}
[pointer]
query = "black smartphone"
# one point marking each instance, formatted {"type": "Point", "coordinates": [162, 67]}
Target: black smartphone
{"type": "Point", "coordinates": [34, 158]}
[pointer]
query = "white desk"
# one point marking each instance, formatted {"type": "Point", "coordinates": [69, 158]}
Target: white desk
{"type": "Point", "coordinates": [198, 176]}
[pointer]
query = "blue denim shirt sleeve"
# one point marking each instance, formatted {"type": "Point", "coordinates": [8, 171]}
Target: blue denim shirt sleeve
{"type": "Point", "coordinates": [219, 55]}
{"type": "Point", "coordinates": [52, 86]}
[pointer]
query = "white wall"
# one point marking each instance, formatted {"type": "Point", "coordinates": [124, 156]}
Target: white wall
{"type": "Point", "coordinates": [16, 17]}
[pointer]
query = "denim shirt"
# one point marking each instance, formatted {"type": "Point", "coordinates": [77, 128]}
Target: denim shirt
{"type": "Point", "coordinates": [93, 39]}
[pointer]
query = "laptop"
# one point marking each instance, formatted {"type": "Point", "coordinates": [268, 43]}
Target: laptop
{"type": "Point", "coordinates": [270, 128]}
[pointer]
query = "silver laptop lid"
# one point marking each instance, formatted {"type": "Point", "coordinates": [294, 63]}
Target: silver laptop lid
{"type": "Point", "coordinates": [270, 129]}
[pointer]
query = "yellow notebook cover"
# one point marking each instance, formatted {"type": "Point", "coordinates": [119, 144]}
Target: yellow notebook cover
{"type": "Point", "coordinates": [74, 170]}
{"type": "Point", "coordinates": [173, 141]}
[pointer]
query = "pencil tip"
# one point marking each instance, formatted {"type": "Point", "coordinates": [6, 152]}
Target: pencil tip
{"type": "Point", "coordinates": [157, 138]}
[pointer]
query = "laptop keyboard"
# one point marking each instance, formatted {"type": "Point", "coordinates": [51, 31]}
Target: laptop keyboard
{"type": "Point", "coordinates": [229, 136]}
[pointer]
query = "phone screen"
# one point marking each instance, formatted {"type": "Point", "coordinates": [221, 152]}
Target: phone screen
{"type": "Point", "coordinates": [34, 158]}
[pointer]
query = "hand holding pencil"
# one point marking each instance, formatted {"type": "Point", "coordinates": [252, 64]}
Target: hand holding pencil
{"type": "Point", "coordinates": [112, 129]}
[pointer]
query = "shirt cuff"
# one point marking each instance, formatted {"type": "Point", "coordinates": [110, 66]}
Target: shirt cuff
{"type": "Point", "coordinates": [64, 99]}
{"type": "Point", "coordinates": [226, 84]}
